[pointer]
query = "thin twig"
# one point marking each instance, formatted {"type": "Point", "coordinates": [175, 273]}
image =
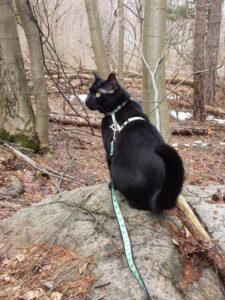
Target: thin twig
{"type": "Point", "coordinates": [49, 171]}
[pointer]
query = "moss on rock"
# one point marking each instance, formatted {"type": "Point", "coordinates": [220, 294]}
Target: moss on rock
{"type": "Point", "coordinates": [20, 139]}
{"type": "Point", "coordinates": [4, 135]}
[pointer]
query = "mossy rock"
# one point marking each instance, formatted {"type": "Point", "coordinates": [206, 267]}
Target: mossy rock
{"type": "Point", "coordinates": [19, 139]}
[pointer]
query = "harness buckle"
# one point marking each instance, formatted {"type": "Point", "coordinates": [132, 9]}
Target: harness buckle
{"type": "Point", "coordinates": [115, 128]}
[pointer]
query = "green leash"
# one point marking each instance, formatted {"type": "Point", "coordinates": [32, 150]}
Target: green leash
{"type": "Point", "coordinates": [125, 236]}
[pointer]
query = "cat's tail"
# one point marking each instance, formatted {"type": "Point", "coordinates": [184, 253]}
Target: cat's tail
{"type": "Point", "coordinates": [166, 198]}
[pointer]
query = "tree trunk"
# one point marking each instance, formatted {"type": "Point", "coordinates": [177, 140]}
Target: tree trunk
{"type": "Point", "coordinates": [154, 84]}
{"type": "Point", "coordinates": [121, 41]}
{"type": "Point", "coordinates": [101, 58]}
{"type": "Point", "coordinates": [212, 48]}
{"type": "Point", "coordinates": [199, 60]}
{"type": "Point", "coordinates": [16, 118]}
{"type": "Point", "coordinates": [37, 68]}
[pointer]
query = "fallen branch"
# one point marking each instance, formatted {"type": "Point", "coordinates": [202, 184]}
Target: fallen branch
{"type": "Point", "coordinates": [211, 249]}
{"type": "Point", "coordinates": [177, 80]}
{"type": "Point", "coordinates": [76, 121]}
{"type": "Point", "coordinates": [189, 130]}
{"type": "Point", "coordinates": [46, 170]}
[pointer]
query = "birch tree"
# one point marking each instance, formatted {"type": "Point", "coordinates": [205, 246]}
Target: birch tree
{"type": "Point", "coordinates": [154, 85]}
{"type": "Point", "coordinates": [17, 122]}
{"type": "Point", "coordinates": [37, 68]}
{"type": "Point", "coordinates": [100, 54]}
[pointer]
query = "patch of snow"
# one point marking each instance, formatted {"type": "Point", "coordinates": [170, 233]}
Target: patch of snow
{"type": "Point", "coordinates": [222, 143]}
{"type": "Point", "coordinates": [181, 115]}
{"type": "Point", "coordinates": [200, 143]}
{"type": "Point", "coordinates": [218, 121]}
{"type": "Point", "coordinates": [175, 145]}
{"type": "Point", "coordinates": [170, 97]}
{"type": "Point", "coordinates": [82, 97]}
{"type": "Point", "coordinates": [72, 98]}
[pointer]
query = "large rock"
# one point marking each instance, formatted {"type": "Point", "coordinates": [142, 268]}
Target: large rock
{"type": "Point", "coordinates": [84, 220]}
{"type": "Point", "coordinates": [210, 212]}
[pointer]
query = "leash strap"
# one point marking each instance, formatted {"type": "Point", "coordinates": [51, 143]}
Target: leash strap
{"type": "Point", "coordinates": [125, 237]}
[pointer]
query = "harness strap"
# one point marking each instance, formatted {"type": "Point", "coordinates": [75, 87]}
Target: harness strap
{"type": "Point", "coordinates": [117, 108]}
{"type": "Point", "coordinates": [118, 128]}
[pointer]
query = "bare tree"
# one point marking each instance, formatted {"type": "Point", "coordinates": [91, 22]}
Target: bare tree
{"type": "Point", "coordinates": [154, 85]}
{"type": "Point", "coordinates": [37, 68]}
{"type": "Point", "coordinates": [212, 48]}
{"type": "Point", "coordinates": [199, 61]}
{"type": "Point", "coordinates": [17, 122]}
{"type": "Point", "coordinates": [206, 45]}
{"type": "Point", "coordinates": [100, 54]}
{"type": "Point", "coordinates": [121, 41]}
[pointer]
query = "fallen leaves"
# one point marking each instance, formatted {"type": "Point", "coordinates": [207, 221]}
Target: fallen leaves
{"type": "Point", "coordinates": [45, 272]}
{"type": "Point", "coordinates": [191, 251]}
{"type": "Point", "coordinates": [191, 271]}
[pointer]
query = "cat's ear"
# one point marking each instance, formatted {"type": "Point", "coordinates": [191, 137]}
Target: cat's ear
{"type": "Point", "coordinates": [112, 80]}
{"type": "Point", "coordinates": [97, 77]}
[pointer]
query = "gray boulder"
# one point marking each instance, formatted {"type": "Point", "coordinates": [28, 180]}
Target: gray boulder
{"type": "Point", "coordinates": [84, 220]}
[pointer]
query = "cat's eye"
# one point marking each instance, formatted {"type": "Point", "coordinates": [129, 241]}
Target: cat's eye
{"type": "Point", "coordinates": [97, 95]}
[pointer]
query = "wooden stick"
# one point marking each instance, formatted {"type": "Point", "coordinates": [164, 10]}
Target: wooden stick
{"type": "Point", "coordinates": [197, 229]}
{"type": "Point", "coordinates": [211, 249]}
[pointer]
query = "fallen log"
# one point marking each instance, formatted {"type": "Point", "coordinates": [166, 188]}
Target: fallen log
{"type": "Point", "coordinates": [76, 121]}
{"type": "Point", "coordinates": [177, 80]}
{"type": "Point", "coordinates": [217, 111]}
{"type": "Point", "coordinates": [189, 130]}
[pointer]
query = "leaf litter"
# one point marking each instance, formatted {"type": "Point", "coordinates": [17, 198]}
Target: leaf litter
{"type": "Point", "coordinates": [47, 272]}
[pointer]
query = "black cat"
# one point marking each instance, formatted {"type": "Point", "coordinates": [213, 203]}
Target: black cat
{"type": "Point", "coordinates": [148, 172]}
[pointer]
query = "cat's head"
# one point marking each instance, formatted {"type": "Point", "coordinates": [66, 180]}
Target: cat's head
{"type": "Point", "coordinates": [104, 95]}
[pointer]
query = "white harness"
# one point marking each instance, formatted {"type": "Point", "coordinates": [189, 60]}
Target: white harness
{"type": "Point", "coordinates": [115, 125]}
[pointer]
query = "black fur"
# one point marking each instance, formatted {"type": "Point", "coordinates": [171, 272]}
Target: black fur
{"type": "Point", "coordinates": [148, 172]}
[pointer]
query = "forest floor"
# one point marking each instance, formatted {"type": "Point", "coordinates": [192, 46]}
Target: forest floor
{"type": "Point", "coordinates": [79, 159]}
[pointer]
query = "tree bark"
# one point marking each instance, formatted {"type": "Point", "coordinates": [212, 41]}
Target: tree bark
{"type": "Point", "coordinates": [37, 68]}
{"type": "Point", "coordinates": [154, 84]}
{"type": "Point", "coordinates": [199, 60]}
{"type": "Point", "coordinates": [212, 48]}
{"type": "Point", "coordinates": [17, 121]}
{"type": "Point", "coordinates": [121, 41]}
{"type": "Point", "coordinates": [100, 54]}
